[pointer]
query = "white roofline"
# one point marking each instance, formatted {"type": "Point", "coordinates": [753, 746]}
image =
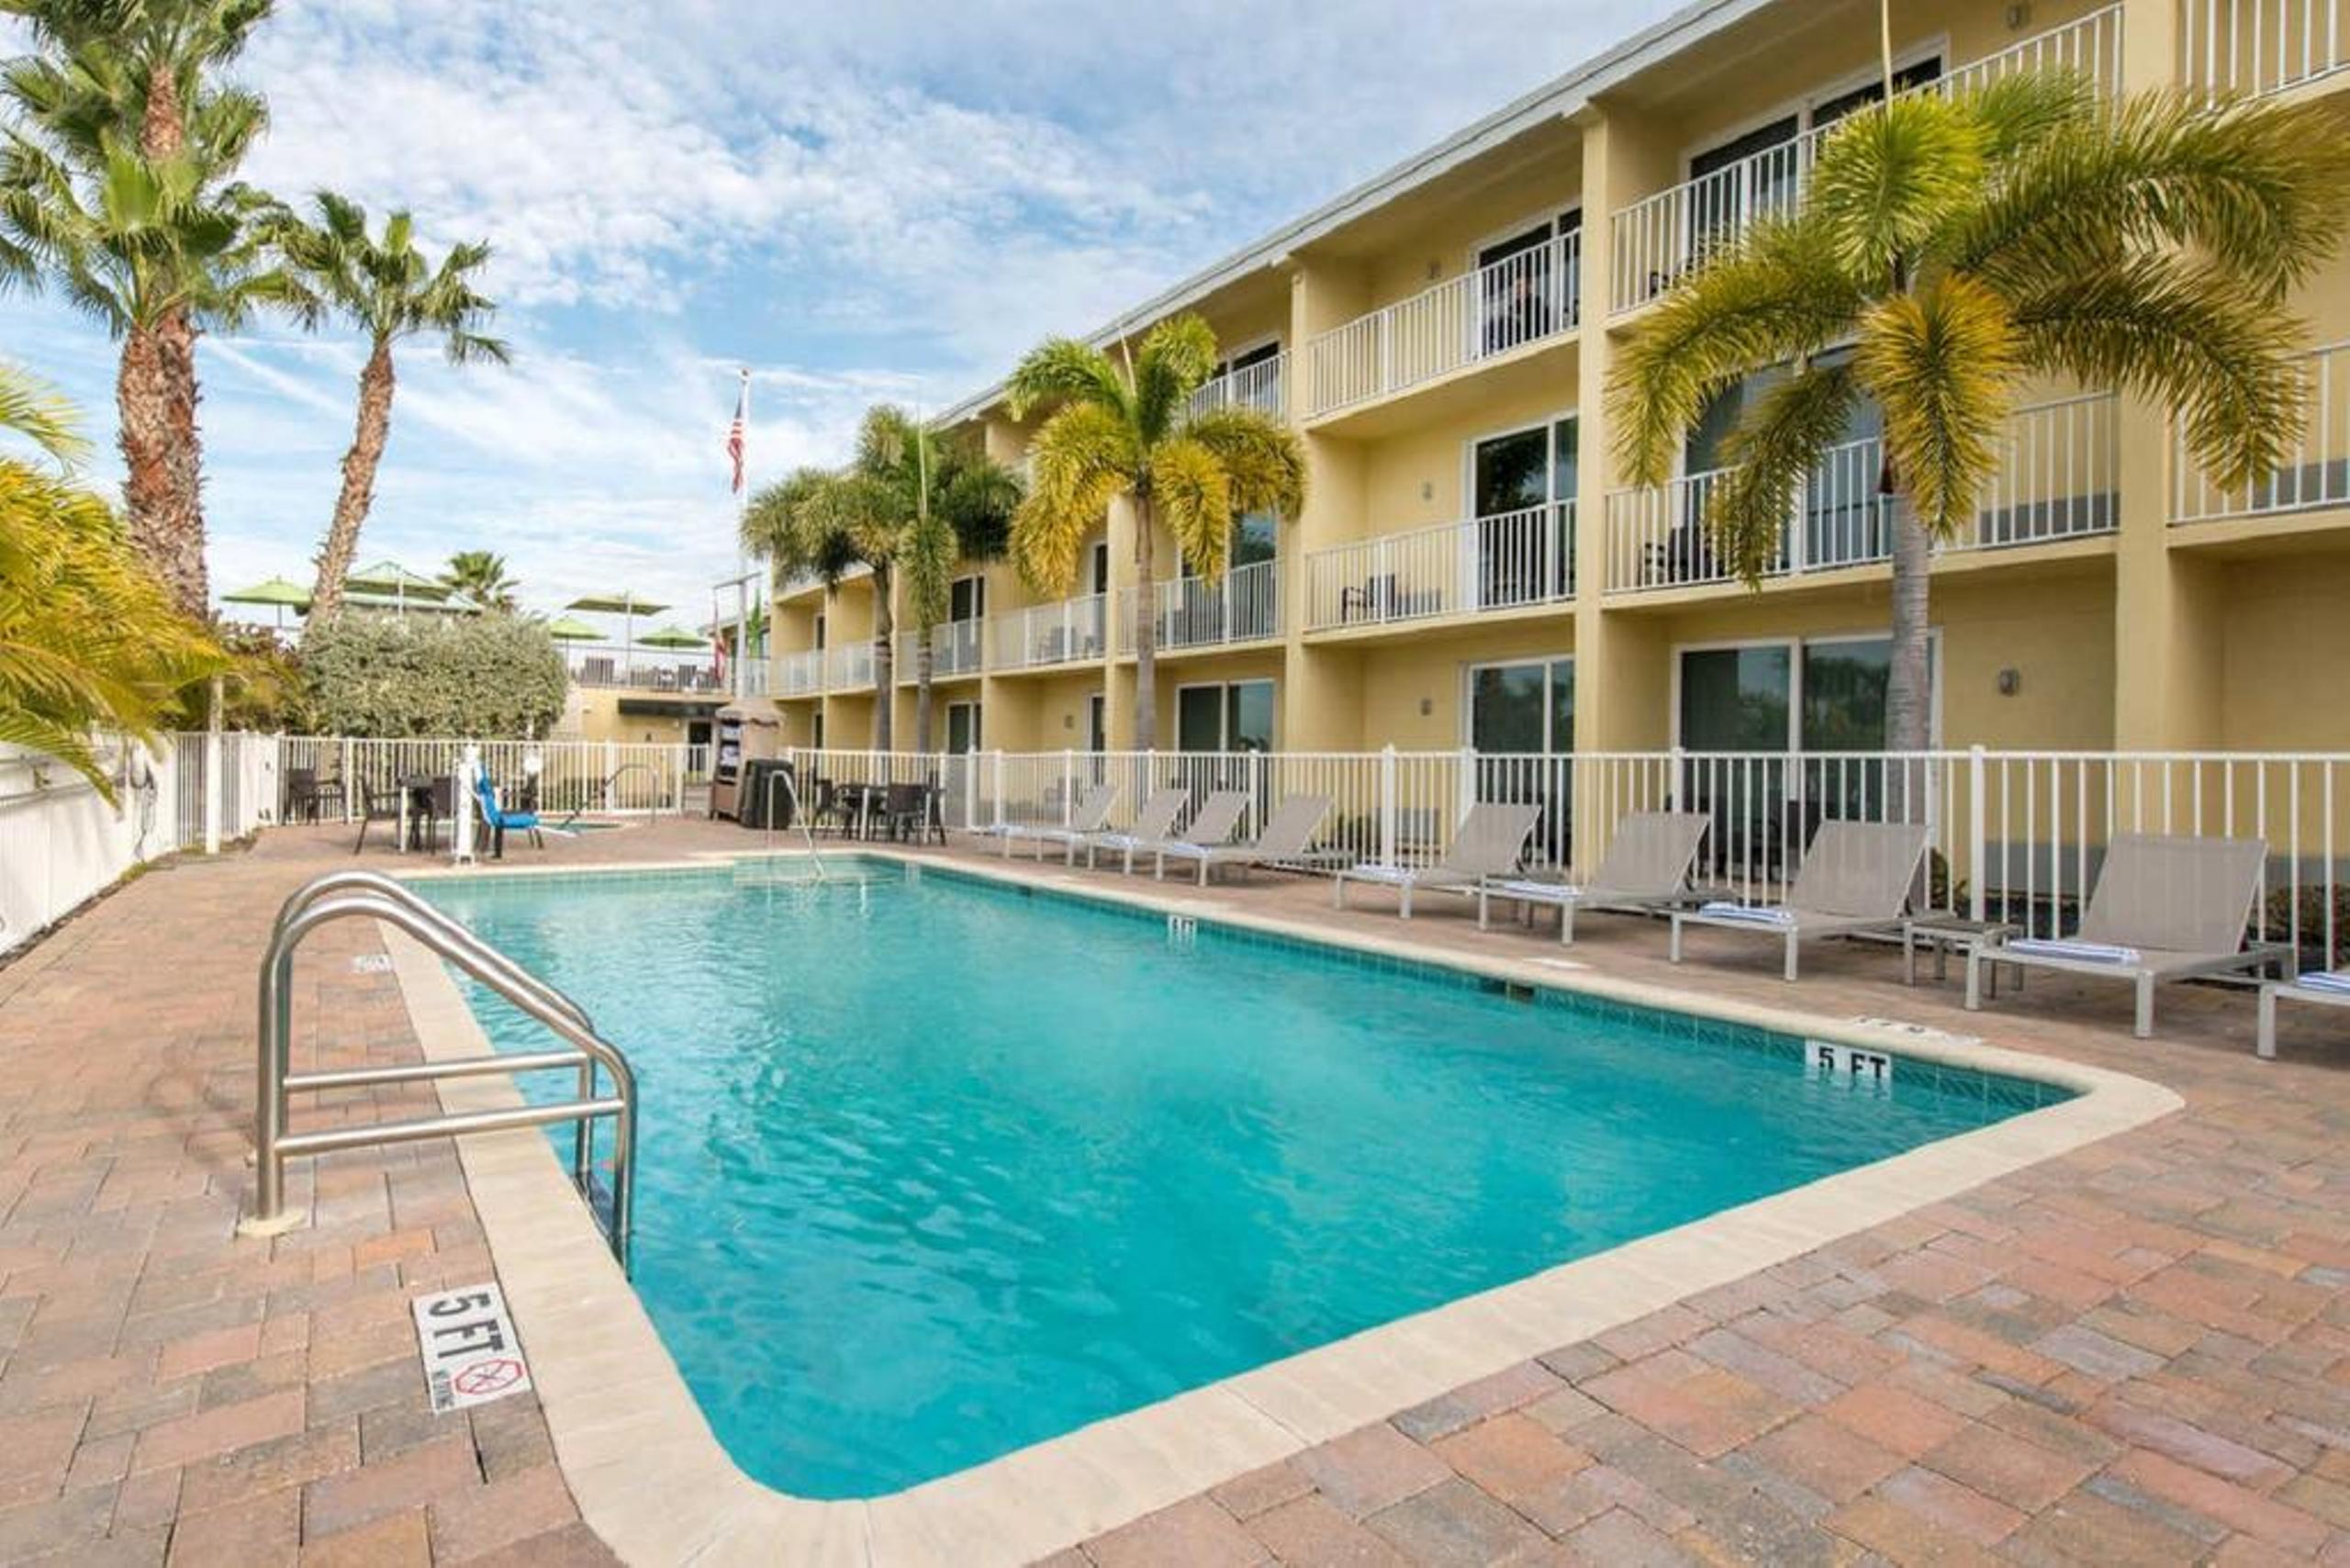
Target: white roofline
{"type": "Point", "coordinates": [1563, 96]}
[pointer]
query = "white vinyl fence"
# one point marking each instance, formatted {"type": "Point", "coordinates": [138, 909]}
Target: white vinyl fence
{"type": "Point", "coordinates": [583, 776]}
{"type": "Point", "coordinates": [60, 842]}
{"type": "Point", "coordinates": [2015, 836]}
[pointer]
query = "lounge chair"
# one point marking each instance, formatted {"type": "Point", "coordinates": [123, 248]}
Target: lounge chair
{"type": "Point", "coordinates": [1154, 823]}
{"type": "Point", "coordinates": [1489, 843]}
{"type": "Point", "coordinates": [2328, 987]}
{"type": "Point", "coordinates": [2166, 907]}
{"type": "Point", "coordinates": [1855, 878]}
{"type": "Point", "coordinates": [497, 820]}
{"type": "Point", "coordinates": [1213, 824]}
{"type": "Point", "coordinates": [1646, 870]}
{"type": "Point", "coordinates": [1091, 815]}
{"type": "Point", "coordinates": [1288, 835]}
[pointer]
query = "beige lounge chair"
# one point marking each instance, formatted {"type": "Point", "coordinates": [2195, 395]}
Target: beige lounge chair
{"type": "Point", "coordinates": [1288, 835]}
{"type": "Point", "coordinates": [2328, 987]}
{"type": "Point", "coordinates": [2166, 907]}
{"type": "Point", "coordinates": [1489, 843]}
{"type": "Point", "coordinates": [1091, 816]}
{"type": "Point", "coordinates": [1213, 824]}
{"type": "Point", "coordinates": [1646, 870]}
{"type": "Point", "coordinates": [1152, 823]}
{"type": "Point", "coordinates": [1855, 878]}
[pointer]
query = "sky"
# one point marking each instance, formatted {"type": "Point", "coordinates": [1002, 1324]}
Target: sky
{"type": "Point", "coordinates": [867, 201]}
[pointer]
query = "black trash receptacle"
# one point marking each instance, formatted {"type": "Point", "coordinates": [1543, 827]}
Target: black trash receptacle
{"type": "Point", "coordinates": [760, 789]}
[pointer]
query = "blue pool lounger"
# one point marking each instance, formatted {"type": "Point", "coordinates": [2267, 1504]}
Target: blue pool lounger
{"type": "Point", "coordinates": [1856, 877]}
{"type": "Point", "coordinates": [2166, 907]}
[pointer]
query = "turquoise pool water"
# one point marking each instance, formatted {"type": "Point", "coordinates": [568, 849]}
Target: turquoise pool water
{"type": "Point", "coordinates": [933, 1170]}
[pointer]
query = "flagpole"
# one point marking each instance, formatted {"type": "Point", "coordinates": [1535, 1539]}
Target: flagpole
{"type": "Point", "coordinates": [742, 562]}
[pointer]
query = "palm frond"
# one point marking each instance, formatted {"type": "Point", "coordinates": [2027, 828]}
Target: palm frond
{"type": "Point", "coordinates": [1083, 457]}
{"type": "Point", "coordinates": [1778, 442]}
{"type": "Point", "coordinates": [1261, 458]}
{"type": "Point", "coordinates": [1064, 370]}
{"type": "Point", "coordinates": [2018, 113]}
{"type": "Point", "coordinates": [1175, 360]}
{"type": "Point", "coordinates": [36, 411]}
{"type": "Point", "coordinates": [1886, 182]}
{"type": "Point", "coordinates": [1191, 493]}
{"type": "Point", "coordinates": [1941, 365]}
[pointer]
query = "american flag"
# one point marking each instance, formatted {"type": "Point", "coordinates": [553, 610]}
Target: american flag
{"type": "Point", "coordinates": [735, 432]}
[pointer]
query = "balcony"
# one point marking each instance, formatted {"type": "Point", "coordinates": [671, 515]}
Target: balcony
{"type": "Point", "coordinates": [2252, 48]}
{"type": "Point", "coordinates": [1187, 612]}
{"type": "Point", "coordinates": [2062, 480]}
{"type": "Point", "coordinates": [954, 651]}
{"type": "Point", "coordinates": [1044, 635]}
{"type": "Point", "coordinates": [849, 666]}
{"type": "Point", "coordinates": [1658, 241]}
{"type": "Point", "coordinates": [801, 674]}
{"type": "Point", "coordinates": [643, 669]}
{"type": "Point", "coordinates": [1264, 386]}
{"type": "Point", "coordinates": [1510, 561]}
{"type": "Point", "coordinates": [1496, 309]}
{"type": "Point", "coordinates": [2315, 475]}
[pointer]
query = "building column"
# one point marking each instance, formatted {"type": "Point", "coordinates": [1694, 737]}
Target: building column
{"type": "Point", "coordinates": [1321, 692]}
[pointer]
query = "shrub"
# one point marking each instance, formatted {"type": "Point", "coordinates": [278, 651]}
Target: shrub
{"type": "Point", "coordinates": [487, 677]}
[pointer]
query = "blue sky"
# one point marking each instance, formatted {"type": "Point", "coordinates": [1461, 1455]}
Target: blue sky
{"type": "Point", "coordinates": [882, 199]}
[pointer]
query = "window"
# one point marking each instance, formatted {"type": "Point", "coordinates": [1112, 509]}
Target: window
{"type": "Point", "coordinates": [1519, 485]}
{"type": "Point", "coordinates": [966, 598]}
{"type": "Point", "coordinates": [1520, 720]}
{"type": "Point", "coordinates": [962, 727]}
{"type": "Point", "coordinates": [816, 729]}
{"type": "Point", "coordinates": [1097, 722]}
{"type": "Point", "coordinates": [819, 629]}
{"type": "Point", "coordinates": [1523, 293]}
{"type": "Point", "coordinates": [1100, 567]}
{"type": "Point", "coordinates": [1224, 716]}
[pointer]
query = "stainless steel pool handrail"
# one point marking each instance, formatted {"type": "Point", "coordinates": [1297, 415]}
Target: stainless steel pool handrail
{"type": "Point", "coordinates": [344, 897]}
{"type": "Point", "coordinates": [798, 814]}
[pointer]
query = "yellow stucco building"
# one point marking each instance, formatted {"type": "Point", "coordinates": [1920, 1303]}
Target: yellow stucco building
{"type": "Point", "coordinates": [1468, 570]}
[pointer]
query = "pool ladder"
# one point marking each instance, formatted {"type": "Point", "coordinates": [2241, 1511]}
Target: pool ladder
{"type": "Point", "coordinates": [808, 833]}
{"type": "Point", "coordinates": [342, 895]}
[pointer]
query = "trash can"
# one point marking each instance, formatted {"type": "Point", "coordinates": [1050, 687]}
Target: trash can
{"type": "Point", "coordinates": [761, 791]}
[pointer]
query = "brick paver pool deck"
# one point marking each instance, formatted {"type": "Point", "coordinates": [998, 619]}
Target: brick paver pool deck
{"type": "Point", "coordinates": [2136, 1353]}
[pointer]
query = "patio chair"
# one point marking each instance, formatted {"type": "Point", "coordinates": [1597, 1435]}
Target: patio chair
{"type": "Point", "coordinates": [2166, 907]}
{"type": "Point", "coordinates": [1091, 815]}
{"type": "Point", "coordinates": [497, 819]}
{"type": "Point", "coordinates": [380, 806]}
{"type": "Point", "coordinates": [906, 810]}
{"type": "Point", "coordinates": [1855, 879]}
{"type": "Point", "coordinates": [1646, 870]}
{"type": "Point", "coordinates": [1489, 843]}
{"type": "Point", "coordinates": [307, 795]}
{"type": "Point", "coordinates": [1213, 824]}
{"type": "Point", "coordinates": [1153, 823]}
{"type": "Point", "coordinates": [2324, 988]}
{"type": "Point", "coordinates": [1288, 835]}
{"type": "Point", "coordinates": [440, 806]}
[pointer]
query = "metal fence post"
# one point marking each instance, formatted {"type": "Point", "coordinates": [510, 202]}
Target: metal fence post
{"type": "Point", "coordinates": [1977, 845]}
{"type": "Point", "coordinates": [1387, 805]}
{"type": "Point", "coordinates": [1068, 786]}
{"type": "Point", "coordinates": [611, 766]}
{"type": "Point", "coordinates": [996, 767]}
{"type": "Point", "coordinates": [970, 788]}
{"type": "Point", "coordinates": [683, 758]}
{"type": "Point", "coordinates": [212, 772]}
{"type": "Point", "coordinates": [350, 782]}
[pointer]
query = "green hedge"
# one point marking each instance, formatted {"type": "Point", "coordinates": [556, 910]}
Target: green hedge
{"type": "Point", "coordinates": [492, 676]}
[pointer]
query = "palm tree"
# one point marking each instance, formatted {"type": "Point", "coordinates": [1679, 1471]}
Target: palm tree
{"type": "Point", "coordinates": [166, 45]}
{"type": "Point", "coordinates": [157, 246]}
{"type": "Point", "coordinates": [388, 288]}
{"type": "Point", "coordinates": [89, 639]}
{"type": "Point", "coordinates": [478, 574]}
{"type": "Point", "coordinates": [1954, 248]}
{"type": "Point", "coordinates": [907, 504]}
{"type": "Point", "coordinates": [1123, 427]}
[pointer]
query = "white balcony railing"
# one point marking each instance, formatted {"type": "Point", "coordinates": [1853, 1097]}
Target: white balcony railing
{"type": "Point", "coordinates": [1263, 386]}
{"type": "Point", "coordinates": [2317, 471]}
{"type": "Point", "coordinates": [1507, 561]}
{"type": "Point", "coordinates": [1658, 240]}
{"type": "Point", "coordinates": [1190, 613]}
{"type": "Point", "coordinates": [757, 678]}
{"type": "Point", "coordinates": [799, 674]}
{"type": "Point", "coordinates": [1058, 634]}
{"type": "Point", "coordinates": [849, 666]}
{"type": "Point", "coordinates": [2061, 479]}
{"type": "Point", "coordinates": [1493, 311]}
{"type": "Point", "coordinates": [2249, 48]}
{"type": "Point", "coordinates": [643, 669]}
{"type": "Point", "coordinates": [954, 651]}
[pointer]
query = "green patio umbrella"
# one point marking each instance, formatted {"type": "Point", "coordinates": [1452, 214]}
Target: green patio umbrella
{"type": "Point", "coordinates": [569, 629]}
{"type": "Point", "coordinates": [389, 585]}
{"type": "Point", "coordinates": [624, 604]}
{"type": "Point", "coordinates": [277, 592]}
{"type": "Point", "coordinates": [674, 637]}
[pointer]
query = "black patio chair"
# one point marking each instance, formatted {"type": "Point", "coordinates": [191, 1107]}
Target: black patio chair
{"type": "Point", "coordinates": [380, 806]}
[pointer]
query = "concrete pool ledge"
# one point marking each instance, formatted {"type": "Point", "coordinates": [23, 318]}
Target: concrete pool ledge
{"type": "Point", "coordinates": [651, 1479]}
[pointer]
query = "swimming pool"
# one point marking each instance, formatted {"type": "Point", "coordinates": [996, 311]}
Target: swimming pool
{"type": "Point", "coordinates": [933, 1169]}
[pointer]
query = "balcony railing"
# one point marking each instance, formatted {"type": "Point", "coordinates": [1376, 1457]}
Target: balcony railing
{"type": "Point", "coordinates": [954, 650]}
{"type": "Point", "coordinates": [2316, 473]}
{"type": "Point", "coordinates": [801, 674]}
{"type": "Point", "coordinates": [1264, 386]}
{"type": "Point", "coordinates": [1658, 241]}
{"type": "Point", "coordinates": [1493, 311]}
{"type": "Point", "coordinates": [2061, 480]}
{"type": "Point", "coordinates": [849, 666]}
{"type": "Point", "coordinates": [757, 681]}
{"type": "Point", "coordinates": [1042, 635]}
{"type": "Point", "coordinates": [643, 669]}
{"type": "Point", "coordinates": [2249, 48]}
{"type": "Point", "coordinates": [1507, 561]}
{"type": "Point", "coordinates": [1187, 612]}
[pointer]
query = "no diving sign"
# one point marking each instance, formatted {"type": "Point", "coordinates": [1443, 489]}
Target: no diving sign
{"type": "Point", "coordinates": [471, 1355]}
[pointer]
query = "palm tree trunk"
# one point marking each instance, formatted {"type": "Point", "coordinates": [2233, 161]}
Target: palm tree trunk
{"type": "Point", "coordinates": [885, 660]}
{"type": "Point", "coordinates": [161, 129]}
{"type": "Point", "coordinates": [922, 688]}
{"type": "Point", "coordinates": [155, 399]}
{"type": "Point", "coordinates": [1907, 697]}
{"type": "Point", "coordinates": [374, 428]}
{"type": "Point", "coordinates": [1146, 635]}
